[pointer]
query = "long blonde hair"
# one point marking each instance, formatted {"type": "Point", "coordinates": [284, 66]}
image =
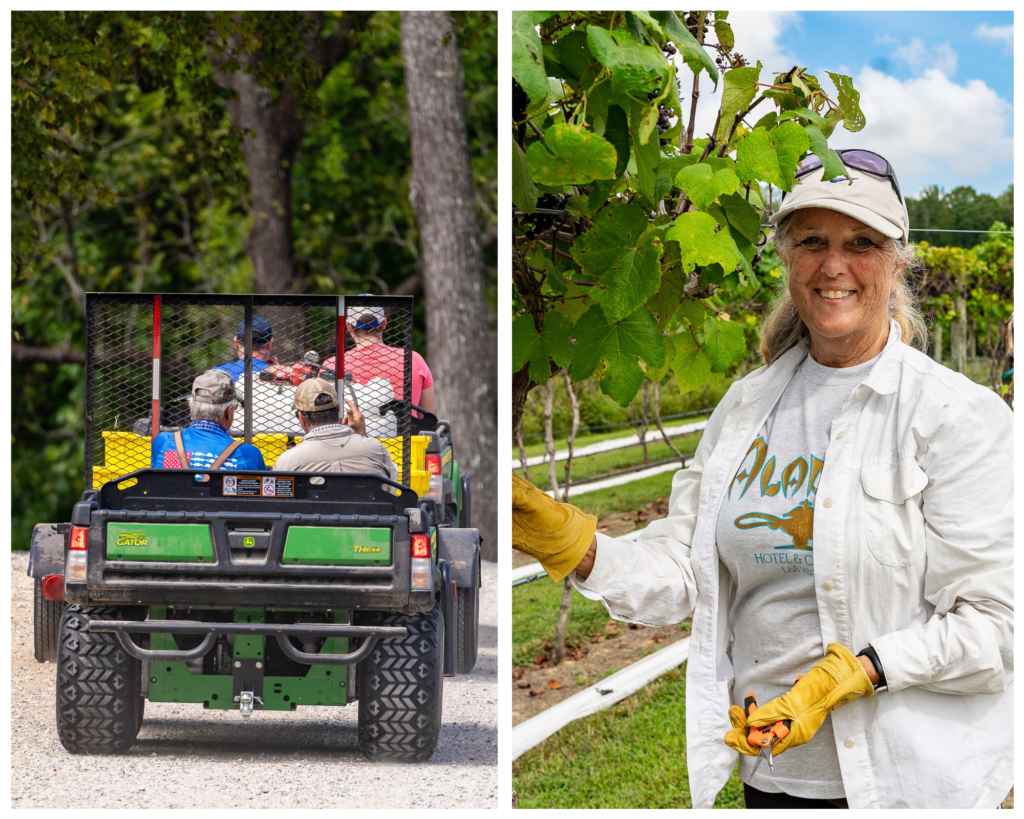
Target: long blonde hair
{"type": "Point", "coordinates": [783, 328]}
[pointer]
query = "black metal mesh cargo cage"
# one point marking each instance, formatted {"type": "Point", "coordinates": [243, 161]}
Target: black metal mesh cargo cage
{"type": "Point", "coordinates": [143, 351]}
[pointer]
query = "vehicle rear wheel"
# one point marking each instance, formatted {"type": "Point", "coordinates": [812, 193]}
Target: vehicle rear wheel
{"type": "Point", "coordinates": [466, 612]}
{"type": "Point", "coordinates": [46, 625]}
{"type": "Point", "coordinates": [98, 684]}
{"type": "Point", "coordinates": [401, 685]}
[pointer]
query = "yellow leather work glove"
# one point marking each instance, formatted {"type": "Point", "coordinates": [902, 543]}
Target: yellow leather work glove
{"type": "Point", "coordinates": [557, 534]}
{"type": "Point", "coordinates": [833, 682]}
{"type": "Point", "coordinates": [737, 737]}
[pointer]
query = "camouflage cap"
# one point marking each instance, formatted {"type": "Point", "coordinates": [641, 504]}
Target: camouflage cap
{"type": "Point", "coordinates": [307, 392]}
{"type": "Point", "coordinates": [213, 387]}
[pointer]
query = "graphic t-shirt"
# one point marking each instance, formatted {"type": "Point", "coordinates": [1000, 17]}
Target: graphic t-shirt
{"type": "Point", "coordinates": [765, 536]}
{"type": "Point", "coordinates": [203, 442]}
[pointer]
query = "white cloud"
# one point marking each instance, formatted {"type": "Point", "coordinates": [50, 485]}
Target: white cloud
{"type": "Point", "coordinates": [918, 56]}
{"type": "Point", "coordinates": [930, 127]}
{"type": "Point", "coordinates": [757, 33]}
{"type": "Point", "coordinates": [1001, 34]}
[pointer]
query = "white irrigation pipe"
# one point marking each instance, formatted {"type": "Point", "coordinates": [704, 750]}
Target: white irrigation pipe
{"type": "Point", "coordinates": [599, 696]}
{"type": "Point", "coordinates": [579, 489]}
{"type": "Point", "coordinates": [616, 443]}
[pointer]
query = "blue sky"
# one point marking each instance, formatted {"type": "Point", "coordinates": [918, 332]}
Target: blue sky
{"type": "Point", "coordinates": [936, 87]}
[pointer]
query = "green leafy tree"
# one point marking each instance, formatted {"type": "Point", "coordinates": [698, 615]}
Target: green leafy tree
{"type": "Point", "coordinates": [637, 242]}
{"type": "Point", "coordinates": [960, 209]}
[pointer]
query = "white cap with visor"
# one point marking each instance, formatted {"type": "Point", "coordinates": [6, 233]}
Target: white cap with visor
{"type": "Point", "coordinates": [868, 198]}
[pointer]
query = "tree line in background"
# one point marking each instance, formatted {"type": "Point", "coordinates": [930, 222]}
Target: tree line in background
{"type": "Point", "coordinates": [229, 152]}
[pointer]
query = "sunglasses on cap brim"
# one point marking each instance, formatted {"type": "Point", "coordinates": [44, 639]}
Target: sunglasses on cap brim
{"type": "Point", "coordinates": [858, 159]}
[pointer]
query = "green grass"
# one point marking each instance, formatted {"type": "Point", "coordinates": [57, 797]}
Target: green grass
{"type": "Point", "coordinates": [626, 497]}
{"type": "Point", "coordinates": [605, 462]}
{"type": "Point", "coordinates": [535, 611]}
{"type": "Point", "coordinates": [632, 755]}
{"type": "Point", "coordinates": [536, 447]}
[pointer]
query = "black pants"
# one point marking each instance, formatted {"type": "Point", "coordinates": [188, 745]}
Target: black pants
{"type": "Point", "coordinates": [756, 799]}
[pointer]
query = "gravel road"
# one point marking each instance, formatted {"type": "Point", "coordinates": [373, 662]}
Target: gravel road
{"type": "Point", "coordinates": [186, 757]}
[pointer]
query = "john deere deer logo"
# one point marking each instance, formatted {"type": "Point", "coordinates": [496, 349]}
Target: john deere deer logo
{"type": "Point", "coordinates": [797, 523]}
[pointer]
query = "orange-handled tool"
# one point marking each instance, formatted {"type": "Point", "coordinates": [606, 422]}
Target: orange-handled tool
{"type": "Point", "coordinates": [765, 737]}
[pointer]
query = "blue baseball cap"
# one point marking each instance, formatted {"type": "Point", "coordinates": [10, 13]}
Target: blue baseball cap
{"type": "Point", "coordinates": [262, 332]}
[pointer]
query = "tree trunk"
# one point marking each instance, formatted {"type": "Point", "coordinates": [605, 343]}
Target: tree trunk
{"type": "Point", "coordinates": [441, 193]}
{"type": "Point", "coordinates": [937, 341]}
{"type": "Point", "coordinates": [958, 336]}
{"type": "Point", "coordinates": [271, 133]}
{"type": "Point", "coordinates": [522, 452]}
{"type": "Point", "coordinates": [563, 620]}
{"type": "Point", "coordinates": [549, 436]}
{"type": "Point", "coordinates": [661, 427]}
{"type": "Point", "coordinates": [572, 433]}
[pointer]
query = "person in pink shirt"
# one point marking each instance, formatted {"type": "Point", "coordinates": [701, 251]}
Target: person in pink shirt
{"type": "Point", "coordinates": [372, 358]}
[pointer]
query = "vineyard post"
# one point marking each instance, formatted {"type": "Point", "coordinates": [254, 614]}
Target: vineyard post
{"type": "Point", "coordinates": [549, 439]}
{"type": "Point", "coordinates": [958, 335]}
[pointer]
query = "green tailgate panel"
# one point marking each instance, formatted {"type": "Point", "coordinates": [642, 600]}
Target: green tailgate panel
{"type": "Point", "coordinates": [337, 546]}
{"type": "Point", "coordinates": [179, 542]}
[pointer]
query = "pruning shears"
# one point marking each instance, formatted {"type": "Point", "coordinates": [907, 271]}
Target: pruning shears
{"type": "Point", "coordinates": [765, 737]}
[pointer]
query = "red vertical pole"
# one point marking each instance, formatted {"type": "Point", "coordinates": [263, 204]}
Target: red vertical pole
{"type": "Point", "coordinates": [155, 427]}
{"type": "Point", "coordinates": [339, 359]}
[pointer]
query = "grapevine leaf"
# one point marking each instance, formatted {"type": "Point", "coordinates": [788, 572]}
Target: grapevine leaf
{"type": "Point", "coordinates": [673, 278]}
{"type": "Point", "coordinates": [658, 373]}
{"type": "Point", "coordinates": [524, 192]}
{"type": "Point", "coordinates": [530, 346]}
{"type": "Point", "coordinates": [570, 155]}
{"type": "Point", "coordinates": [791, 143]}
{"type": "Point", "coordinates": [527, 55]}
{"type": "Point", "coordinates": [739, 88]}
{"type": "Point", "coordinates": [830, 160]}
{"type": "Point", "coordinates": [647, 156]}
{"type": "Point", "coordinates": [691, 364]}
{"type": "Point", "coordinates": [692, 312]}
{"type": "Point", "coordinates": [618, 345]}
{"type": "Point", "coordinates": [703, 186]}
{"type": "Point", "coordinates": [832, 119]}
{"type": "Point", "coordinates": [723, 343]}
{"type": "Point", "coordinates": [621, 251]}
{"type": "Point", "coordinates": [574, 305]}
{"type": "Point", "coordinates": [725, 33]}
{"type": "Point", "coordinates": [600, 189]}
{"type": "Point", "coordinates": [637, 70]}
{"type": "Point", "coordinates": [741, 215]}
{"type": "Point", "coordinates": [616, 131]}
{"type": "Point", "coordinates": [699, 244]}
{"type": "Point", "coordinates": [649, 20]}
{"type": "Point", "coordinates": [767, 121]}
{"type": "Point", "coordinates": [693, 52]}
{"type": "Point", "coordinates": [849, 101]}
{"type": "Point", "coordinates": [805, 113]}
{"type": "Point", "coordinates": [756, 159]}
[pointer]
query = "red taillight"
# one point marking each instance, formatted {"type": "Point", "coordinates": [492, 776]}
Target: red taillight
{"type": "Point", "coordinates": [434, 464]}
{"type": "Point", "coordinates": [53, 587]}
{"type": "Point", "coordinates": [77, 539]}
{"type": "Point", "coordinates": [420, 546]}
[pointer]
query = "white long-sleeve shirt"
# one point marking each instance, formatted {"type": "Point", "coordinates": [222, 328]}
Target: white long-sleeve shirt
{"type": "Point", "coordinates": [913, 546]}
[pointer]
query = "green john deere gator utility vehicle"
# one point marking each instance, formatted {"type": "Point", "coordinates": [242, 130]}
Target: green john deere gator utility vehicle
{"type": "Point", "coordinates": [256, 590]}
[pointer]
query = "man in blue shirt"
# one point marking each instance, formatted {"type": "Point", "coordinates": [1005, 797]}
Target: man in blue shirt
{"type": "Point", "coordinates": [206, 439]}
{"type": "Point", "coordinates": [262, 338]}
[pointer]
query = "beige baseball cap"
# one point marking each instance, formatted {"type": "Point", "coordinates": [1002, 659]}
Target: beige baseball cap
{"type": "Point", "coordinates": [213, 387]}
{"type": "Point", "coordinates": [305, 395]}
{"type": "Point", "coordinates": [869, 199]}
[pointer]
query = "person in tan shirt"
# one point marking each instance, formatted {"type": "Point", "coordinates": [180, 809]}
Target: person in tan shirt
{"type": "Point", "coordinates": [332, 444]}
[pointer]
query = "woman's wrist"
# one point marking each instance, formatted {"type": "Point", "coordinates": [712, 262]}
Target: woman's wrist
{"type": "Point", "coordinates": [586, 566]}
{"type": "Point", "coordinates": [869, 669]}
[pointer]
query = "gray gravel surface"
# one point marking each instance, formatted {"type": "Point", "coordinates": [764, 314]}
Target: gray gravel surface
{"type": "Point", "coordinates": [186, 757]}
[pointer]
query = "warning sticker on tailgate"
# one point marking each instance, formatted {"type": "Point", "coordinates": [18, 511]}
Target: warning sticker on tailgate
{"type": "Point", "coordinates": [254, 486]}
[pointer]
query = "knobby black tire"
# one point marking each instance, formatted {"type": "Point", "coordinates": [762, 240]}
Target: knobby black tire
{"type": "Point", "coordinates": [466, 611]}
{"type": "Point", "coordinates": [98, 684]}
{"type": "Point", "coordinates": [46, 625]}
{"type": "Point", "coordinates": [401, 686]}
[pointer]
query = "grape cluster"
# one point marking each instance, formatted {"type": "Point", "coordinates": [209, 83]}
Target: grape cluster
{"type": "Point", "coordinates": [535, 223]}
{"type": "Point", "coordinates": [669, 49]}
{"type": "Point", "coordinates": [736, 61]}
{"type": "Point", "coordinates": [691, 24]}
{"type": "Point", "coordinates": [520, 100]}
